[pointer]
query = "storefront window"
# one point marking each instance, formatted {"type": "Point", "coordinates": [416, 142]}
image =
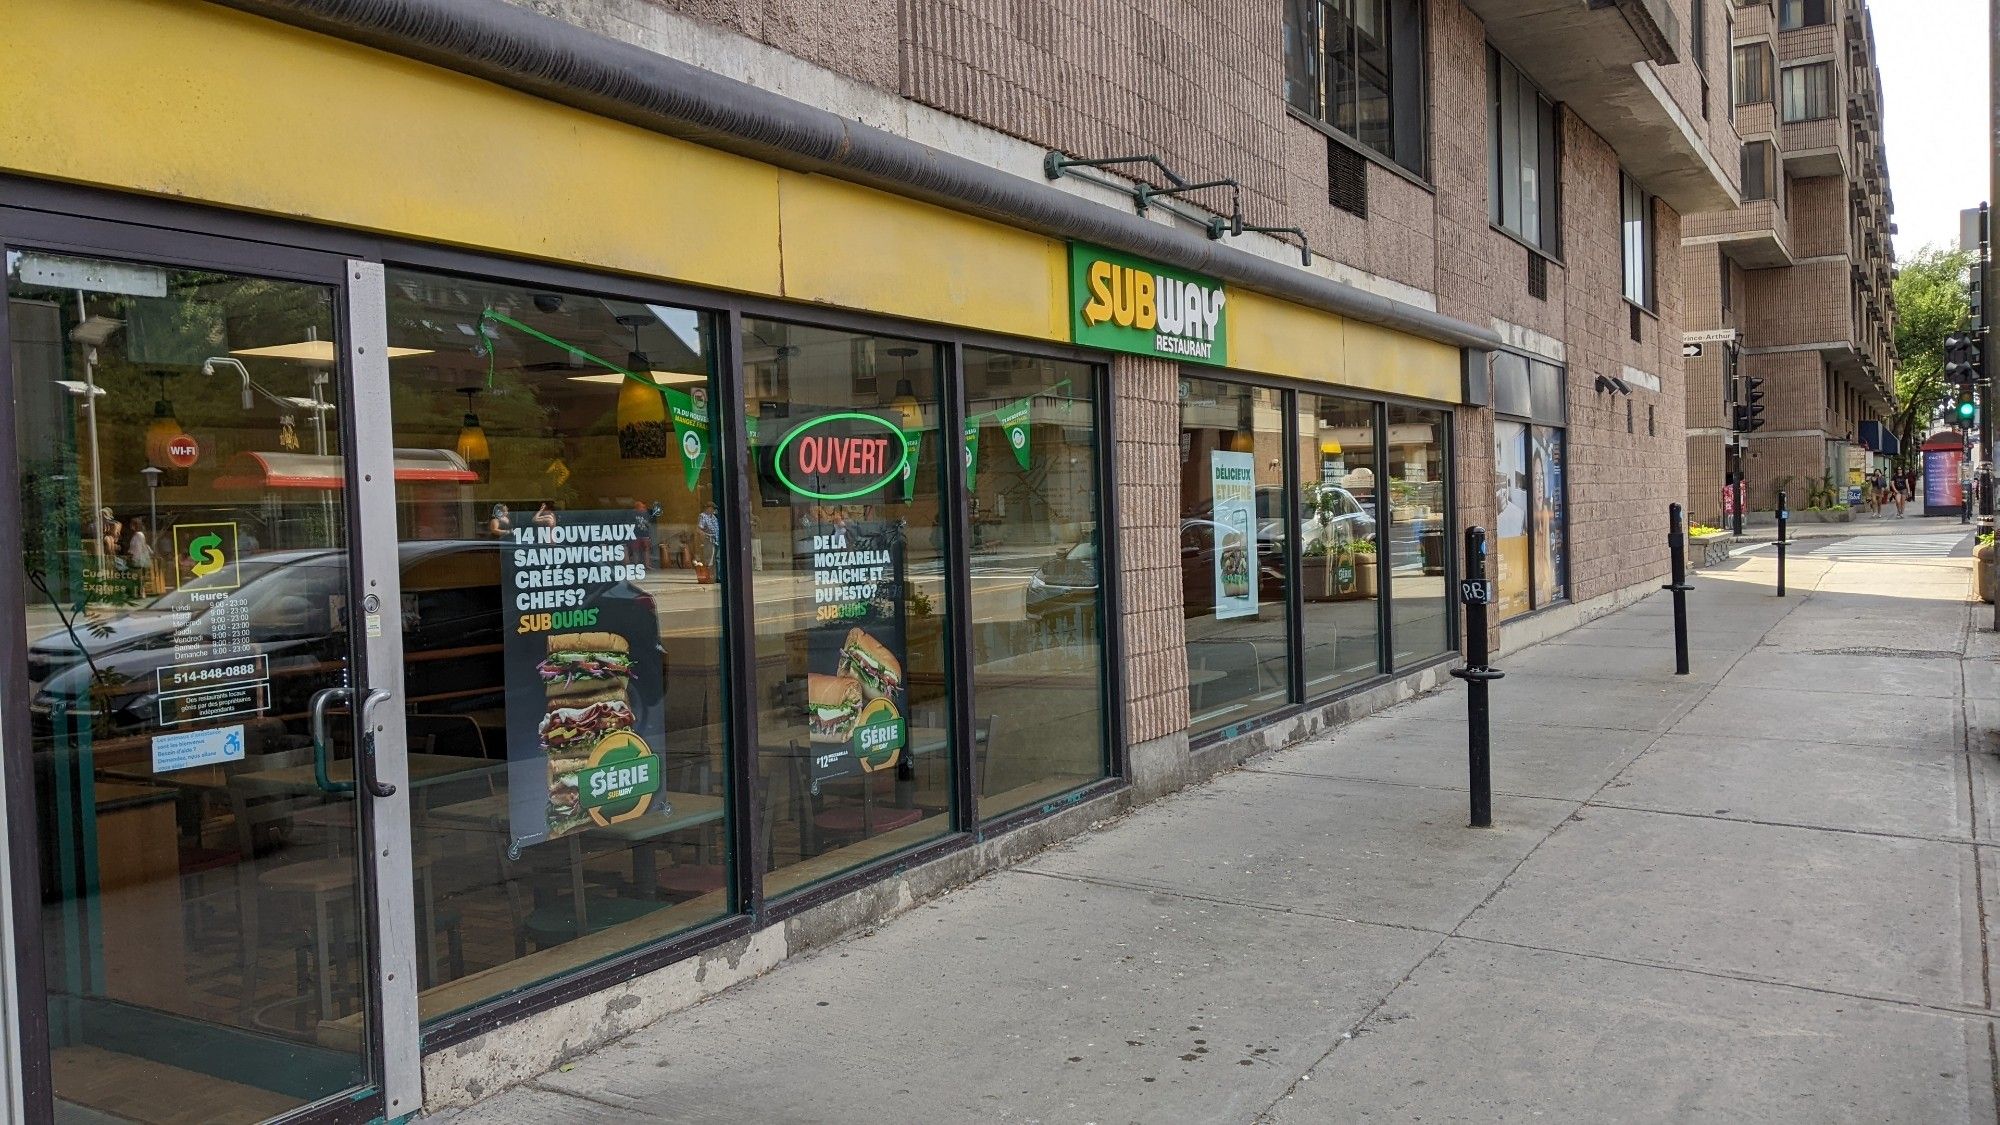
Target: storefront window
{"type": "Point", "coordinates": [1530, 533]}
{"type": "Point", "coordinates": [1339, 575]}
{"type": "Point", "coordinates": [179, 620]}
{"type": "Point", "coordinates": [1419, 537]}
{"type": "Point", "coordinates": [1037, 591]}
{"type": "Point", "coordinates": [561, 618]}
{"type": "Point", "coordinates": [847, 552]}
{"type": "Point", "coordinates": [1235, 523]}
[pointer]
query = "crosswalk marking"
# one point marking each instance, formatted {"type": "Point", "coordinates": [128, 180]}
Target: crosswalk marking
{"type": "Point", "coordinates": [1918, 545]}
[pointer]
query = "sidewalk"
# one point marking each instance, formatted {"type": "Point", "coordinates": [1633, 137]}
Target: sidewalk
{"type": "Point", "coordinates": [1757, 893]}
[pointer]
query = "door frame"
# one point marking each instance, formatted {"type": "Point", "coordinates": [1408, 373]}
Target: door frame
{"type": "Point", "coordinates": [391, 1048]}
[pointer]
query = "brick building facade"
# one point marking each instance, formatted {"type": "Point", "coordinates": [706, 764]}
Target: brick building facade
{"type": "Point", "coordinates": [862, 336]}
{"type": "Point", "coordinates": [1795, 287]}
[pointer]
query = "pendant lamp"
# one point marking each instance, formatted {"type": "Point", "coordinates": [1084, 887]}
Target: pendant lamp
{"type": "Point", "coordinates": [905, 403]}
{"type": "Point", "coordinates": [642, 408]}
{"type": "Point", "coordinates": [472, 446]}
{"type": "Point", "coordinates": [163, 429]}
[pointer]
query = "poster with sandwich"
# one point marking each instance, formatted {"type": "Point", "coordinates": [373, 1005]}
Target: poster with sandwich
{"type": "Point", "coordinates": [1232, 476]}
{"type": "Point", "coordinates": [586, 707]}
{"type": "Point", "coordinates": [843, 473]}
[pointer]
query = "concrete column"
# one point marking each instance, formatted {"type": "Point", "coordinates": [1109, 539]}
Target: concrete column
{"type": "Point", "coordinates": [1155, 672]}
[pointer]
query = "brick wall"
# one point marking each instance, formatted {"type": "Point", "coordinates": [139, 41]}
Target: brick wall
{"type": "Point", "coordinates": [1148, 426]}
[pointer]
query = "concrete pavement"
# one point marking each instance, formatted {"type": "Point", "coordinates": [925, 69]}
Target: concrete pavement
{"type": "Point", "coordinates": [1762, 892]}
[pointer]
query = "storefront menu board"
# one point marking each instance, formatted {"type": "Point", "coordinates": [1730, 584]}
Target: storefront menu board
{"type": "Point", "coordinates": [1127, 304]}
{"type": "Point", "coordinates": [1234, 480]}
{"type": "Point", "coordinates": [842, 469]}
{"type": "Point", "coordinates": [586, 709]}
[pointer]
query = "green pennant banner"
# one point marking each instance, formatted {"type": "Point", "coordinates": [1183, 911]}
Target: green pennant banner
{"type": "Point", "coordinates": [914, 439]}
{"type": "Point", "coordinates": [971, 454]}
{"type": "Point", "coordinates": [690, 432]}
{"type": "Point", "coordinates": [1014, 420]}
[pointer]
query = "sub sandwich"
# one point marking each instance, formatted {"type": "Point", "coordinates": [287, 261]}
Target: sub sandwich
{"type": "Point", "coordinates": [585, 663]}
{"type": "Point", "coordinates": [870, 661]}
{"type": "Point", "coordinates": [835, 703]}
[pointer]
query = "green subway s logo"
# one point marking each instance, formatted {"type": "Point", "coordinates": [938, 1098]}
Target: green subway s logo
{"type": "Point", "coordinates": [1128, 304]}
{"type": "Point", "coordinates": [621, 781]}
{"type": "Point", "coordinates": [206, 554]}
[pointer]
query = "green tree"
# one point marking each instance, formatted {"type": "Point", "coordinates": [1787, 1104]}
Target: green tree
{"type": "Point", "coordinates": [1933, 300]}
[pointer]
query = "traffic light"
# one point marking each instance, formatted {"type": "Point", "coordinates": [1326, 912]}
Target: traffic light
{"type": "Point", "coordinates": [1965, 410]}
{"type": "Point", "coordinates": [1961, 359]}
{"type": "Point", "coordinates": [1748, 415]}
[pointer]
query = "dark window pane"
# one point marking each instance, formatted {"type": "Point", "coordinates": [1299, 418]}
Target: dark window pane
{"type": "Point", "coordinates": [1419, 533]}
{"type": "Point", "coordinates": [1233, 531]}
{"type": "Point", "coordinates": [1037, 650]}
{"type": "Point", "coordinates": [1339, 576]}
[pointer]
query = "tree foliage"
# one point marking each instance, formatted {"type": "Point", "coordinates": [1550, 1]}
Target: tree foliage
{"type": "Point", "coordinates": [1933, 300]}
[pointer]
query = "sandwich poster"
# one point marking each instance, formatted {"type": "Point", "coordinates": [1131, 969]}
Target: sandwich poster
{"type": "Point", "coordinates": [1233, 477]}
{"type": "Point", "coordinates": [856, 697]}
{"type": "Point", "coordinates": [586, 713]}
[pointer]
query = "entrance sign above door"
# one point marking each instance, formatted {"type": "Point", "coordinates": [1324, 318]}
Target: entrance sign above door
{"type": "Point", "coordinates": [1127, 304]}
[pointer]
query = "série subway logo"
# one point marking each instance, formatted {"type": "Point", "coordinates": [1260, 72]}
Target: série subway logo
{"type": "Point", "coordinates": [841, 456]}
{"type": "Point", "coordinates": [1184, 315]}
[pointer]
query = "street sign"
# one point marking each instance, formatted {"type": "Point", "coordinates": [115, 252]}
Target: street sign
{"type": "Point", "coordinates": [1476, 592]}
{"type": "Point", "coordinates": [1690, 351]}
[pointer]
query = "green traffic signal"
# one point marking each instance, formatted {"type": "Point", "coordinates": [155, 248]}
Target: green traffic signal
{"type": "Point", "coordinates": [1966, 409]}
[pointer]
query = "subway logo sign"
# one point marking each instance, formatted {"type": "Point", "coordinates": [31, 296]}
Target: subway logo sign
{"type": "Point", "coordinates": [1127, 304]}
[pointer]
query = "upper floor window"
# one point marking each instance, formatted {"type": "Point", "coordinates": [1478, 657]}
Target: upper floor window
{"type": "Point", "coordinates": [1636, 211]}
{"type": "Point", "coordinates": [1523, 154]}
{"type": "Point", "coordinates": [1800, 13]}
{"type": "Point", "coordinates": [1357, 66]}
{"type": "Point", "coordinates": [1760, 171]}
{"type": "Point", "coordinates": [1754, 65]}
{"type": "Point", "coordinates": [1806, 92]}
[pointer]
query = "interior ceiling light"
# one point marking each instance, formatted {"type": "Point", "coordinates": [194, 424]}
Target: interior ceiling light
{"type": "Point", "coordinates": [642, 409]}
{"type": "Point", "coordinates": [660, 378]}
{"type": "Point", "coordinates": [163, 429]}
{"type": "Point", "coordinates": [472, 446]}
{"type": "Point", "coordinates": [313, 351]}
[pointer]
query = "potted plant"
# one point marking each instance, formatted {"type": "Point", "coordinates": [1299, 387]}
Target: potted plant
{"type": "Point", "coordinates": [1984, 575]}
{"type": "Point", "coordinates": [1316, 570]}
{"type": "Point", "coordinates": [1364, 569]}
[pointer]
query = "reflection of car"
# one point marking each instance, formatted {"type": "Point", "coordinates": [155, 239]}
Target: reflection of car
{"type": "Point", "coordinates": [291, 608]}
{"type": "Point", "coordinates": [1198, 544]}
{"type": "Point", "coordinates": [1334, 516]}
{"type": "Point", "coordinates": [1065, 583]}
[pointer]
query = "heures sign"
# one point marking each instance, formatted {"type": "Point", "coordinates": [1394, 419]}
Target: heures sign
{"type": "Point", "coordinates": [1128, 304]}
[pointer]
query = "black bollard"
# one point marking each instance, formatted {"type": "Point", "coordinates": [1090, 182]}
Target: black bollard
{"type": "Point", "coordinates": [1783, 516]}
{"type": "Point", "coordinates": [1677, 553]}
{"type": "Point", "coordinates": [1477, 593]}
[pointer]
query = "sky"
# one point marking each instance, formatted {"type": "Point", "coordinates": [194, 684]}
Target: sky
{"type": "Point", "coordinates": [1934, 89]}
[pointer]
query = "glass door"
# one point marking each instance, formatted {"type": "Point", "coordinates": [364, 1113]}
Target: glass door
{"type": "Point", "coordinates": [216, 783]}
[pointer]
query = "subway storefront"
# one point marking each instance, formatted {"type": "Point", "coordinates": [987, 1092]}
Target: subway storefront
{"type": "Point", "coordinates": [477, 557]}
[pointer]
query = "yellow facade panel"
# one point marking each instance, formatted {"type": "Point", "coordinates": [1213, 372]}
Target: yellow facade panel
{"type": "Point", "coordinates": [1383, 359]}
{"type": "Point", "coordinates": [1275, 337]}
{"type": "Point", "coordinates": [857, 248]}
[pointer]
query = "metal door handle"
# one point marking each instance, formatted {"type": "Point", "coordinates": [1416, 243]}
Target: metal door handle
{"type": "Point", "coordinates": [321, 700]}
{"type": "Point", "coordinates": [365, 759]}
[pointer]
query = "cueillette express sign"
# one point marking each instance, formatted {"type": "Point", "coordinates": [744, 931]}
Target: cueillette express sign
{"type": "Point", "coordinates": [1128, 304]}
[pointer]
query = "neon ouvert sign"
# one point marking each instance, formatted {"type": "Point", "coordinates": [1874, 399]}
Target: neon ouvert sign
{"type": "Point", "coordinates": [865, 462]}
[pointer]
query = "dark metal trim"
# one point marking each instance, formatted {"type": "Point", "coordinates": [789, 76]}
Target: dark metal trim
{"type": "Point", "coordinates": [865, 875]}
{"type": "Point", "coordinates": [472, 1022]}
{"type": "Point", "coordinates": [1210, 739]}
{"type": "Point", "coordinates": [167, 246]}
{"type": "Point", "coordinates": [961, 672]}
{"type": "Point", "coordinates": [547, 58]}
{"type": "Point", "coordinates": [24, 868]}
{"type": "Point", "coordinates": [340, 1109]}
{"type": "Point", "coordinates": [1385, 589]}
{"type": "Point", "coordinates": [745, 798]}
{"type": "Point", "coordinates": [1060, 803]}
{"type": "Point", "coordinates": [1295, 617]}
{"type": "Point", "coordinates": [1115, 690]}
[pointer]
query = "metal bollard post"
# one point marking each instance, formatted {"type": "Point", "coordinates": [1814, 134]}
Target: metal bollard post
{"type": "Point", "coordinates": [1783, 516]}
{"type": "Point", "coordinates": [1677, 554]}
{"type": "Point", "coordinates": [1477, 593]}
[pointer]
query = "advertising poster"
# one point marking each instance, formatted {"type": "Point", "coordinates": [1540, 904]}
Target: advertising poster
{"type": "Point", "coordinates": [839, 469]}
{"type": "Point", "coordinates": [586, 708]}
{"type": "Point", "coordinates": [1233, 477]}
{"type": "Point", "coordinates": [1941, 487]}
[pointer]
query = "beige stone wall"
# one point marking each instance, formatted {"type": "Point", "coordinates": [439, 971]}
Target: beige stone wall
{"type": "Point", "coordinates": [1148, 422]}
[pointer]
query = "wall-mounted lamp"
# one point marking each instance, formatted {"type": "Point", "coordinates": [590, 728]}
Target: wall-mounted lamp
{"type": "Point", "coordinates": [1612, 384]}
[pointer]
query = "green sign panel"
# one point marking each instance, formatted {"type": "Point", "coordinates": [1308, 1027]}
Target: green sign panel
{"type": "Point", "coordinates": [877, 742]}
{"type": "Point", "coordinates": [621, 780]}
{"type": "Point", "coordinates": [1128, 304]}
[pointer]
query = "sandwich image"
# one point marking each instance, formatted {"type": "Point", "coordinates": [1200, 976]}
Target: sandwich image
{"type": "Point", "coordinates": [871, 662]}
{"type": "Point", "coordinates": [584, 663]}
{"type": "Point", "coordinates": [573, 726]}
{"type": "Point", "coordinates": [834, 702]}
{"type": "Point", "coordinates": [1235, 565]}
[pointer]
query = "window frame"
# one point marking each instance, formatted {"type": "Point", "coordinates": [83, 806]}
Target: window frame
{"type": "Point", "coordinates": [1541, 415]}
{"type": "Point", "coordinates": [1787, 21]}
{"type": "Point", "coordinates": [1404, 71]}
{"type": "Point", "coordinates": [1815, 92]}
{"type": "Point", "coordinates": [1755, 84]}
{"type": "Point", "coordinates": [1501, 75]}
{"type": "Point", "coordinates": [1637, 232]}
